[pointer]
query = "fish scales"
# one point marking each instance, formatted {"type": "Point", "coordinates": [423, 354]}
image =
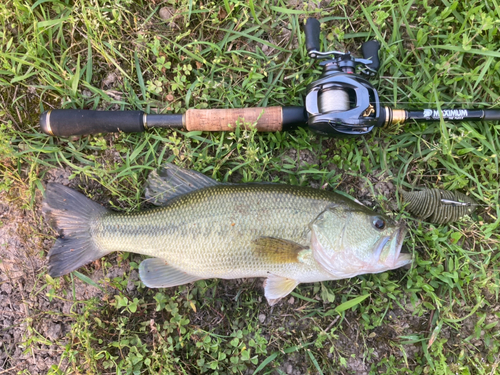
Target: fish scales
{"type": "Point", "coordinates": [210, 231]}
{"type": "Point", "coordinates": [205, 229]}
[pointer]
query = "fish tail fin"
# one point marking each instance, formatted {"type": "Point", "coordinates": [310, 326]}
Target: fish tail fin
{"type": "Point", "coordinates": [71, 214]}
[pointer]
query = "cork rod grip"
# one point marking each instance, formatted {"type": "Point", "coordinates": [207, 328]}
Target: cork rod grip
{"type": "Point", "coordinates": [269, 119]}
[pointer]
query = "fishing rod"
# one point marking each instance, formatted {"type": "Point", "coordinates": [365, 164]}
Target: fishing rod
{"type": "Point", "coordinates": [342, 102]}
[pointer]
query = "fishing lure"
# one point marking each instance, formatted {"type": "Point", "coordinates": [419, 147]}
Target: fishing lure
{"type": "Point", "coordinates": [438, 206]}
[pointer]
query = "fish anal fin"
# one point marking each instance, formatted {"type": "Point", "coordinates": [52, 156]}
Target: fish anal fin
{"type": "Point", "coordinates": [156, 273]}
{"type": "Point", "coordinates": [277, 287]}
{"type": "Point", "coordinates": [277, 250]}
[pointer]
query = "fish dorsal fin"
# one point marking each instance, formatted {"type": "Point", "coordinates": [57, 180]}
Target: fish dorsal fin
{"type": "Point", "coordinates": [156, 273]}
{"type": "Point", "coordinates": [172, 181]}
{"type": "Point", "coordinates": [277, 287]}
{"type": "Point", "coordinates": [277, 250]}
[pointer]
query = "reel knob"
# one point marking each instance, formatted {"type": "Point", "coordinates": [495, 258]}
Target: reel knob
{"type": "Point", "coordinates": [312, 30]}
{"type": "Point", "coordinates": [370, 52]}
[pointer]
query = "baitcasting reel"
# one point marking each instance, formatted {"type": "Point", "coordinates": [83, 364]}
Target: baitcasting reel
{"type": "Point", "coordinates": [341, 102]}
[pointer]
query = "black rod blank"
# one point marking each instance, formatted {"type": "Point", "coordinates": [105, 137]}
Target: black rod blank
{"type": "Point", "coordinates": [453, 115]}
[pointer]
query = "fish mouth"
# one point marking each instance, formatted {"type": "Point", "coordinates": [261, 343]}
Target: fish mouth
{"type": "Point", "coordinates": [400, 259]}
{"type": "Point", "coordinates": [391, 256]}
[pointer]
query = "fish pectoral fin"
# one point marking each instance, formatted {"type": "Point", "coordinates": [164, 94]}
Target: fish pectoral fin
{"type": "Point", "coordinates": [277, 287]}
{"type": "Point", "coordinates": [156, 273]}
{"type": "Point", "coordinates": [277, 250]}
{"type": "Point", "coordinates": [172, 181]}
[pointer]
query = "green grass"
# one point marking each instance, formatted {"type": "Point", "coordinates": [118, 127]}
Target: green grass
{"type": "Point", "coordinates": [236, 54]}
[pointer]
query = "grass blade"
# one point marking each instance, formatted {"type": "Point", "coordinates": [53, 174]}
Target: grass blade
{"type": "Point", "coordinates": [87, 279]}
{"type": "Point", "coordinates": [314, 361]}
{"type": "Point", "coordinates": [265, 362]}
{"type": "Point", "coordinates": [351, 303]}
{"type": "Point", "coordinates": [88, 67]}
{"type": "Point", "coordinates": [139, 76]}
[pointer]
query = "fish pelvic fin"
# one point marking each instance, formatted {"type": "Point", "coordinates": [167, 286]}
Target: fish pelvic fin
{"type": "Point", "coordinates": [71, 214]}
{"type": "Point", "coordinates": [277, 250]}
{"type": "Point", "coordinates": [277, 287]}
{"type": "Point", "coordinates": [156, 273]}
{"type": "Point", "coordinates": [172, 181]}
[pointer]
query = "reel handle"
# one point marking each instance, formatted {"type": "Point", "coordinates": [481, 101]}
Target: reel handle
{"type": "Point", "coordinates": [312, 31]}
{"type": "Point", "coordinates": [370, 52]}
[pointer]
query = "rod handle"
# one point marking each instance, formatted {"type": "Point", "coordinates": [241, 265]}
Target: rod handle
{"type": "Point", "coordinates": [370, 51]}
{"type": "Point", "coordinates": [312, 30]}
{"type": "Point", "coordinates": [267, 119]}
{"type": "Point", "coordinates": [68, 122]}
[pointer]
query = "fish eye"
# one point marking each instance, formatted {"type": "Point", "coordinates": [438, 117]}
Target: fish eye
{"type": "Point", "coordinates": [378, 222]}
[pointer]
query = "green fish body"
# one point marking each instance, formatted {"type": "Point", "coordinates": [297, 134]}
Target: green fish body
{"type": "Point", "coordinates": [204, 229]}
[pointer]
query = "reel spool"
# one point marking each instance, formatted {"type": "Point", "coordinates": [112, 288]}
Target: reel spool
{"type": "Point", "coordinates": [332, 98]}
{"type": "Point", "coordinates": [341, 102]}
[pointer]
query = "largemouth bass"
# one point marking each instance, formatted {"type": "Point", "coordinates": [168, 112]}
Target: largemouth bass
{"type": "Point", "coordinates": [205, 229]}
